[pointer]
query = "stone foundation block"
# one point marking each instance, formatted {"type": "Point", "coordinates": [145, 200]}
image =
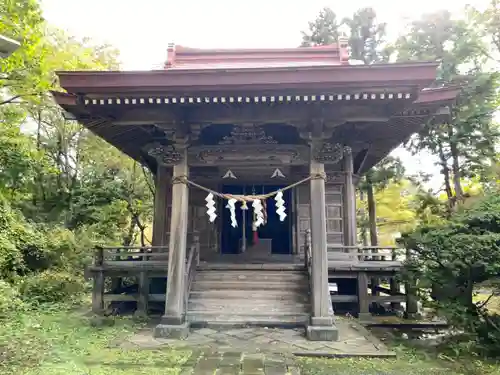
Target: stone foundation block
{"type": "Point", "coordinates": [365, 317]}
{"type": "Point", "coordinates": [322, 333]}
{"type": "Point", "coordinates": [166, 331]}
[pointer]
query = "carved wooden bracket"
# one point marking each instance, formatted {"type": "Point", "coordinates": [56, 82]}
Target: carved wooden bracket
{"type": "Point", "coordinates": [330, 153]}
{"type": "Point", "coordinates": [166, 155]}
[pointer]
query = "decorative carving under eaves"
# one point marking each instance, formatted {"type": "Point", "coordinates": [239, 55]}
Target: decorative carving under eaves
{"type": "Point", "coordinates": [247, 134]}
{"type": "Point", "coordinates": [167, 155]}
{"type": "Point", "coordinates": [330, 153]}
{"type": "Point", "coordinates": [250, 155]}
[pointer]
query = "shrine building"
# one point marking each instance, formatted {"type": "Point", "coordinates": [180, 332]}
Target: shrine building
{"type": "Point", "coordinates": [256, 155]}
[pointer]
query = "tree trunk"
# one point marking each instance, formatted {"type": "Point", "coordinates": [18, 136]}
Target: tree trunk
{"type": "Point", "coordinates": [446, 174]}
{"type": "Point", "coordinates": [364, 232]}
{"type": "Point", "coordinates": [455, 165]}
{"type": "Point", "coordinates": [372, 214]}
{"type": "Point", "coordinates": [459, 194]}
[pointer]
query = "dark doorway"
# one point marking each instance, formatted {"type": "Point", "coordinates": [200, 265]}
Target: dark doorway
{"type": "Point", "coordinates": [280, 232]}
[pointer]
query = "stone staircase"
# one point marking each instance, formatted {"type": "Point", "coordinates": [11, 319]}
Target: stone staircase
{"type": "Point", "coordinates": [231, 297]}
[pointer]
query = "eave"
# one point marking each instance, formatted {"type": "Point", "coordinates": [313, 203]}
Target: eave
{"type": "Point", "coordinates": [192, 81]}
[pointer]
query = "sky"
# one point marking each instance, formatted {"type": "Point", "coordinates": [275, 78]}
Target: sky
{"type": "Point", "coordinates": [141, 30]}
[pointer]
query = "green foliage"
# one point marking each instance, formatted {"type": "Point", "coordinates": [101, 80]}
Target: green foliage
{"type": "Point", "coordinates": [23, 74]}
{"type": "Point", "coordinates": [18, 159]}
{"type": "Point", "coordinates": [465, 146]}
{"type": "Point", "coordinates": [366, 36]}
{"type": "Point", "coordinates": [455, 257]}
{"type": "Point", "coordinates": [60, 340]}
{"type": "Point", "coordinates": [10, 301]}
{"type": "Point", "coordinates": [52, 286]}
{"type": "Point", "coordinates": [323, 30]}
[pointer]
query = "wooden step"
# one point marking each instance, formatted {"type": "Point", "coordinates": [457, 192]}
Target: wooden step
{"type": "Point", "coordinates": [251, 266]}
{"type": "Point", "coordinates": [249, 297]}
{"type": "Point", "coordinates": [245, 275]}
{"type": "Point", "coordinates": [242, 308]}
{"type": "Point", "coordinates": [254, 295]}
{"type": "Point", "coordinates": [250, 285]}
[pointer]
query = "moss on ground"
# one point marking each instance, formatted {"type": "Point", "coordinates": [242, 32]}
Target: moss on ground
{"type": "Point", "coordinates": [66, 343]}
{"type": "Point", "coordinates": [59, 341]}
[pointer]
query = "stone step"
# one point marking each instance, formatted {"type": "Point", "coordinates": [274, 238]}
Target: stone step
{"type": "Point", "coordinates": [217, 321]}
{"type": "Point", "coordinates": [254, 295]}
{"type": "Point", "coordinates": [250, 285]}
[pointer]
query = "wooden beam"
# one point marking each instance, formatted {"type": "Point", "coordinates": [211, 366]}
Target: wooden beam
{"type": "Point", "coordinates": [292, 113]}
{"type": "Point", "coordinates": [360, 160]}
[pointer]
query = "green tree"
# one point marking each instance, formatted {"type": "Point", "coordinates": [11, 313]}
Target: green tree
{"type": "Point", "coordinates": [488, 24]}
{"type": "Point", "coordinates": [367, 44]}
{"type": "Point", "coordinates": [366, 36]}
{"type": "Point", "coordinates": [465, 145]}
{"type": "Point", "coordinates": [455, 257]}
{"type": "Point", "coordinates": [23, 74]}
{"type": "Point", "coordinates": [324, 30]}
{"type": "Point", "coordinates": [388, 171]}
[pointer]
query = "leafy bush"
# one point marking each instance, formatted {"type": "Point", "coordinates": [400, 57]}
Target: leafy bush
{"type": "Point", "coordinates": [52, 286]}
{"type": "Point", "coordinates": [11, 259]}
{"type": "Point", "coordinates": [454, 258]}
{"type": "Point", "coordinates": [10, 301]}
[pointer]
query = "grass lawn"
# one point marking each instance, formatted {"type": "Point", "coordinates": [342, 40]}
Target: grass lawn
{"type": "Point", "coordinates": [408, 362]}
{"type": "Point", "coordinates": [493, 304]}
{"type": "Point", "coordinates": [55, 341]}
{"type": "Point", "coordinates": [65, 343]}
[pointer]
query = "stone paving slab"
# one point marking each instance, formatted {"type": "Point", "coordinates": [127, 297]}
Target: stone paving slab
{"type": "Point", "coordinates": [354, 340]}
{"type": "Point", "coordinates": [262, 350]}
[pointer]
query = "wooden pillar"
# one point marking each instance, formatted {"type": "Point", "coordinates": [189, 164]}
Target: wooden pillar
{"type": "Point", "coordinates": [162, 188]}
{"type": "Point", "coordinates": [363, 302]}
{"type": "Point", "coordinates": [349, 201]}
{"type": "Point", "coordinates": [98, 284]}
{"type": "Point", "coordinates": [318, 238]}
{"type": "Point", "coordinates": [173, 323]}
{"type": "Point", "coordinates": [321, 328]}
{"type": "Point", "coordinates": [143, 294]}
{"type": "Point", "coordinates": [98, 293]}
{"type": "Point", "coordinates": [411, 295]}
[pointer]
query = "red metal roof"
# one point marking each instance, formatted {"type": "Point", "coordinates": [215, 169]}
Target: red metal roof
{"type": "Point", "coordinates": [180, 57]}
{"type": "Point", "coordinates": [190, 81]}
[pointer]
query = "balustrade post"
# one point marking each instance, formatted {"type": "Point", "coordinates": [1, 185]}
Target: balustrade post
{"type": "Point", "coordinates": [411, 294]}
{"type": "Point", "coordinates": [98, 283]}
{"type": "Point", "coordinates": [143, 294]}
{"type": "Point", "coordinates": [196, 242]}
{"type": "Point", "coordinates": [307, 249]}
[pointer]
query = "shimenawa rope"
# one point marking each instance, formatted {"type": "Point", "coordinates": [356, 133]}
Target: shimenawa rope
{"type": "Point", "coordinates": [246, 198]}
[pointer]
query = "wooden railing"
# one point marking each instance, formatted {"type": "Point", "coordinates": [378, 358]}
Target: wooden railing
{"type": "Point", "coordinates": [193, 260]}
{"type": "Point", "coordinates": [109, 255]}
{"type": "Point", "coordinates": [368, 253]}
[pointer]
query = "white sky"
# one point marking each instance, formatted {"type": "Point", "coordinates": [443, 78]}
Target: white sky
{"type": "Point", "coordinates": [142, 29]}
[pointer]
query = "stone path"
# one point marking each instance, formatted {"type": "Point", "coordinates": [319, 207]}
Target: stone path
{"type": "Point", "coordinates": [261, 350]}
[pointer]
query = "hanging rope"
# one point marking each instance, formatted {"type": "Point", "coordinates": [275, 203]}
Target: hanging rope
{"type": "Point", "coordinates": [246, 198]}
